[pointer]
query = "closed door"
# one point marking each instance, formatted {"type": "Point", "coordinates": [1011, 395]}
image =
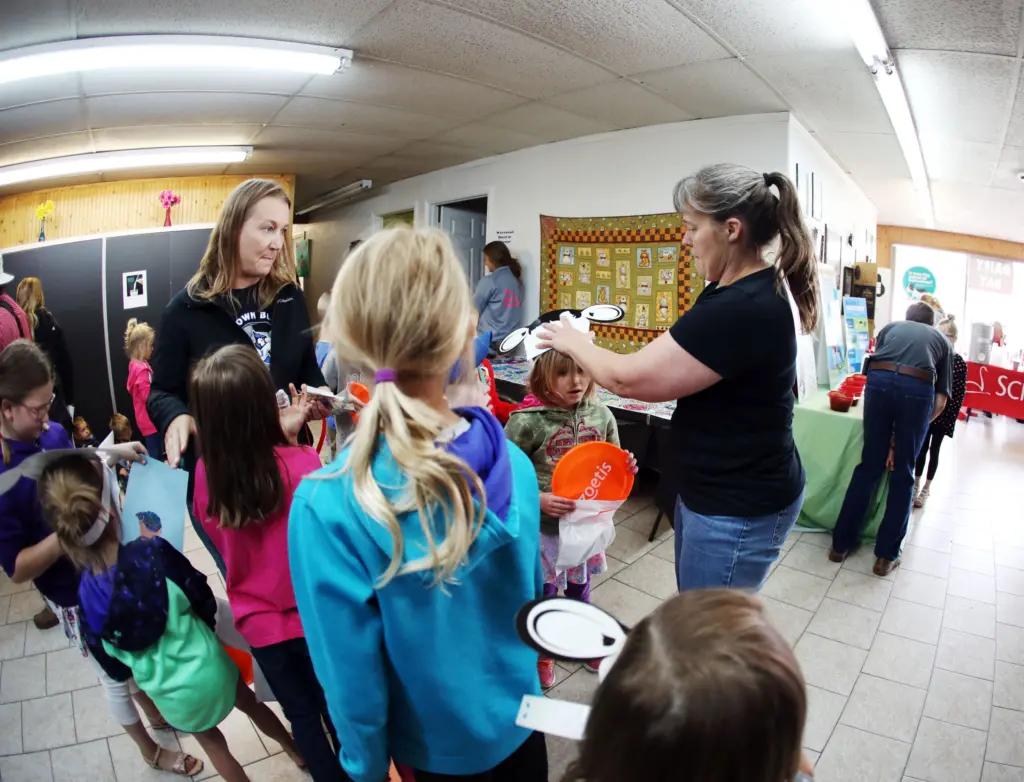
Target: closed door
{"type": "Point", "coordinates": [467, 230]}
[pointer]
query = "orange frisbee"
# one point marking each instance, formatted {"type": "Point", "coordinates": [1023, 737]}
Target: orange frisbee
{"type": "Point", "coordinates": [593, 471]}
{"type": "Point", "coordinates": [360, 392]}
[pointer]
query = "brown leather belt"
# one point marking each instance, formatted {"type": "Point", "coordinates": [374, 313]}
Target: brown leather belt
{"type": "Point", "coordinates": [900, 369]}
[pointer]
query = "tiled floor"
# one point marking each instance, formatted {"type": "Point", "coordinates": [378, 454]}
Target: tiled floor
{"type": "Point", "coordinates": [916, 677]}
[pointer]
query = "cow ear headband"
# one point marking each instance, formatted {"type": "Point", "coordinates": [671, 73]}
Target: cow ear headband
{"type": "Point", "coordinates": [571, 631]}
{"type": "Point", "coordinates": [581, 320]}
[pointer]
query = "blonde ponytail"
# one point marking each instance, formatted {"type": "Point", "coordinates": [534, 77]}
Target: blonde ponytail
{"type": "Point", "coordinates": [136, 337]}
{"type": "Point", "coordinates": [401, 302]}
{"type": "Point", "coordinates": [71, 496]}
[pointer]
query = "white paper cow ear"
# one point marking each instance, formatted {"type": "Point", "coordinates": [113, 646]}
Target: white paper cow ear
{"type": "Point", "coordinates": [578, 319]}
{"type": "Point", "coordinates": [32, 468]}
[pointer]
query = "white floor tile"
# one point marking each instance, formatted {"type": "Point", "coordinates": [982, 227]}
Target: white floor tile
{"type": "Point", "coordinates": [846, 623]}
{"type": "Point", "coordinates": [5, 604]}
{"type": "Point", "coordinates": [862, 561]}
{"type": "Point", "coordinates": [1004, 737]}
{"type": "Point", "coordinates": [946, 753]}
{"type": "Point", "coordinates": [665, 551]}
{"type": "Point", "coordinates": [855, 756]}
{"type": "Point", "coordinates": [577, 688]}
{"type": "Point", "coordinates": [626, 604]}
{"type": "Point", "coordinates": [629, 546]}
{"type": "Point", "coordinates": [931, 538]}
{"type": "Point", "coordinates": [613, 565]}
{"type": "Point", "coordinates": [973, 586]}
{"type": "Point", "coordinates": [961, 700]}
{"type": "Point", "coordinates": [276, 769]}
{"type": "Point", "coordinates": [970, 616]}
{"type": "Point", "coordinates": [129, 765]}
{"type": "Point", "coordinates": [829, 664]}
{"type": "Point", "coordinates": [920, 588]}
{"type": "Point", "coordinates": [911, 620]}
{"type": "Point", "coordinates": [93, 719]}
{"type": "Point", "coordinates": [83, 763]}
{"type": "Point", "coordinates": [27, 768]}
{"type": "Point", "coordinates": [975, 560]}
{"type": "Point", "coordinates": [796, 588]}
{"type": "Point", "coordinates": [823, 711]}
{"type": "Point", "coordinates": [901, 660]}
{"type": "Point", "coordinates": [811, 559]}
{"type": "Point", "coordinates": [12, 641]}
{"type": "Point", "coordinates": [1009, 686]}
{"type": "Point", "coordinates": [10, 729]}
{"type": "Point", "coordinates": [1010, 580]}
{"type": "Point", "coordinates": [973, 536]}
{"type": "Point", "coordinates": [1010, 609]}
{"type": "Point", "coordinates": [22, 679]}
{"type": "Point", "coordinates": [43, 641]}
{"type": "Point", "coordinates": [1010, 643]}
{"type": "Point", "coordinates": [67, 670]}
{"type": "Point", "coordinates": [922, 560]}
{"type": "Point", "coordinates": [47, 723]}
{"type": "Point", "coordinates": [24, 606]}
{"type": "Point", "coordinates": [8, 587]}
{"type": "Point", "coordinates": [970, 655]}
{"type": "Point", "coordinates": [996, 773]}
{"type": "Point", "coordinates": [866, 591]}
{"type": "Point", "coordinates": [651, 575]}
{"type": "Point", "coordinates": [789, 620]}
{"type": "Point", "coordinates": [1010, 556]}
{"type": "Point", "coordinates": [884, 707]}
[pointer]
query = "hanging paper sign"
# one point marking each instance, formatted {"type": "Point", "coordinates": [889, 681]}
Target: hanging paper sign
{"type": "Point", "coordinates": [988, 274]}
{"type": "Point", "coordinates": [134, 290]}
{"type": "Point", "coordinates": [506, 236]}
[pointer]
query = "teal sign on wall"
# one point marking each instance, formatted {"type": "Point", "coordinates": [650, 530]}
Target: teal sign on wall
{"type": "Point", "coordinates": [918, 278]}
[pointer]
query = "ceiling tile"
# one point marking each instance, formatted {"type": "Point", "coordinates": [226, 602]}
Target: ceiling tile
{"type": "Point", "coordinates": [441, 39]}
{"type": "Point", "coordinates": [144, 137]}
{"type": "Point", "coordinates": [895, 199]}
{"type": "Point", "coordinates": [318, 139]}
{"type": "Point", "coordinates": [953, 160]}
{"type": "Point", "coordinates": [388, 84]}
{"type": "Point", "coordinates": [321, 165]}
{"type": "Point", "coordinates": [1015, 132]}
{"type": "Point", "coordinates": [44, 88]}
{"type": "Point", "coordinates": [867, 155]}
{"type": "Point", "coordinates": [626, 37]}
{"type": "Point", "coordinates": [958, 95]}
{"type": "Point", "coordinates": [338, 114]}
{"type": "Point", "coordinates": [766, 28]}
{"type": "Point", "coordinates": [830, 92]}
{"type": "Point", "coordinates": [489, 138]}
{"type": "Point", "coordinates": [184, 79]}
{"type": "Point", "coordinates": [621, 103]}
{"type": "Point", "coordinates": [990, 26]}
{"type": "Point", "coordinates": [435, 154]}
{"type": "Point", "coordinates": [326, 22]}
{"type": "Point", "coordinates": [1009, 167]}
{"type": "Point", "coordinates": [722, 88]}
{"type": "Point", "coordinates": [41, 148]}
{"type": "Point", "coordinates": [28, 22]}
{"type": "Point", "coordinates": [979, 210]}
{"type": "Point", "coordinates": [186, 108]}
{"type": "Point", "coordinates": [547, 123]}
{"type": "Point", "coordinates": [42, 119]}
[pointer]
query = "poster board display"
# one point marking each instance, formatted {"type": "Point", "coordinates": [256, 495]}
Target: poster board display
{"type": "Point", "coordinates": [855, 318]}
{"type": "Point", "coordinates": [638, 263]}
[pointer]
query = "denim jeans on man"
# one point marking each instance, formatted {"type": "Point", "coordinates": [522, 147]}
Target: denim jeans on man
{"type": "Point", "coordinates": [896, 407]}
{"type": "Point", "coordinates": [729, 551]}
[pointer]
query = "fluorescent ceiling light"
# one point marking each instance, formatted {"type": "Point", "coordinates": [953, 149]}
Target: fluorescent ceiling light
{"type": "Point", "coordinates": [867, 37]}
{"type": "Point", "coordinates": [121, 160]}
{"type": "Point", "coordinates": [177, 52]}
{"type": "Point", "coordinates": [342, 195]}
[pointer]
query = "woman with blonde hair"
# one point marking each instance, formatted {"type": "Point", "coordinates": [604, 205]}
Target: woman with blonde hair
{"type": "Point", "coordinates": [47, 333]}
{"type": "Point", "coordinates": [411, 553]}
{"type": "Point", "coordinates": [245, 292]}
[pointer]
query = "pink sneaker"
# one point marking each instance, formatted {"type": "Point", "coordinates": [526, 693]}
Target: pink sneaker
{"type": "Point", "coordinates": [592, 665]}
{"type": "Point", "coordinates": [546, 671]}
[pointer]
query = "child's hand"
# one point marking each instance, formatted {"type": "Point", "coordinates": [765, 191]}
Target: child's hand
{"type": "Point", "coordinates": [553, 505]}
{"type": "Point", "coordinates": [294, 417]}
{"type": "Point", "coordinates": [631, 465]}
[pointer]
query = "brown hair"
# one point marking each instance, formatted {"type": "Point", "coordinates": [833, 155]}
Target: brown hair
{"type": "Point", "coordinates": [705, 689]}
{"type": "Point", "coordinates": [136, 337]}
{"type": "Point", "coordinates": [234, 403]}
{"type": "Point", "coordinates": [24, 367]}
{"type": "Point", "coordinates": [220, 262]}
{"type": "Point", "coordinates": [499, 255]}
{"type": "Point", "coordinates": [121, 427]}
{"type": "Point", "coordinates": [948, 327]}
{"type": "Point", "coordinates": [920, 312]}
{"type": "Point", "coordinates": [547, 369]}
{"type": "Point", "coordinates": [71, 496]}
{"type": "Point", "coordinates": [30, 298]}
{"type": "Point", "coordinates": [724, 190]}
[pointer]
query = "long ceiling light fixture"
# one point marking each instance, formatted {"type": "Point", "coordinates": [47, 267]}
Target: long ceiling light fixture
{"type": "Point", "coordinates": [870, 42]}
{"type": "Point", "coordinates": [343, 195]}
{"type": "Point", "coordinates": [121, 160]}
{"type": "Point", "coordinates": [181, 51]}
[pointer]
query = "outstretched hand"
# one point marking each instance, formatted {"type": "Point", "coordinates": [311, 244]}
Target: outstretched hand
{"type": "Point", "coordinates": [561, 336]}
{"type": "Point", "coordinates": [294, 416]}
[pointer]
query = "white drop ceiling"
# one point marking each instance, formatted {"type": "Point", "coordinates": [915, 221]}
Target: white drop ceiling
{"type": "Point", "coordinates": [436, 83]}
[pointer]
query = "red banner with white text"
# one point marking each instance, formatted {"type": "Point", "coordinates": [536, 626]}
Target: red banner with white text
{"type": "Point", "coordinates": [995, 390]}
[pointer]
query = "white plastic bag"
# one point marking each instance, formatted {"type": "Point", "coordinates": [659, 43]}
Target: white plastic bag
{"type": "Point", "coordinates": [586, 531]}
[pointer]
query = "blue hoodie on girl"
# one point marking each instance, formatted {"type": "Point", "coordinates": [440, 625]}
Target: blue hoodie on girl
{"type": "Point", "coordinates": [430, 678]}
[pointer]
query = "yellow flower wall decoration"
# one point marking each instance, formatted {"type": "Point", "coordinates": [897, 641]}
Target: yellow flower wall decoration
{"type": "Point", "coordinates": [44, 210]}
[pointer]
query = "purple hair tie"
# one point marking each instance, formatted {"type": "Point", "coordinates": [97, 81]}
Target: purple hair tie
{"type": "Point", "coordinates": [385, 376]}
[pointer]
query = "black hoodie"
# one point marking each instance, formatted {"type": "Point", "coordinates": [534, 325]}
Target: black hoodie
{"type": "Point", "coordinates": [193, 328]}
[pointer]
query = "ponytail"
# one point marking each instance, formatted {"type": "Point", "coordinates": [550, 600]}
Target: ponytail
{"type": "Point", "coordinates": [499, 255]}
{"type": "Point", "coordinates": [796, 262]}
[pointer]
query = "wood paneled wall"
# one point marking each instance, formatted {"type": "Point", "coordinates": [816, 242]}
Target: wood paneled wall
{"type": "Point", "coordinates": [888, 235]}
{"type": "Point", "coordinates": [126, 205]}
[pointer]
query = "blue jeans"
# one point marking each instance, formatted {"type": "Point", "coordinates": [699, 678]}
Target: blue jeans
{"type": "Point", "coordinates": [729, 551]}
{"type": "Point", "coordinates": [896, 407]}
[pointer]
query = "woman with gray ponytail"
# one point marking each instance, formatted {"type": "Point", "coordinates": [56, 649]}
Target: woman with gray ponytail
{"type": "Point", "coordinates": [730, 361]}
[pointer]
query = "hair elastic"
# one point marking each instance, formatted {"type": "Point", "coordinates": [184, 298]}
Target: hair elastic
{"type": "Point", "coordinates": [766, 182]}
{"type": "Point", "coordinates": [385, 376]}
{"type": "Point", "coordinates": [100, 525]}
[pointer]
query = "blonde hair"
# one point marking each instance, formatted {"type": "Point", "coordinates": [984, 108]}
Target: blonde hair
{"type": "Point", "coordinates": [121, 427]}
{"type": "Point", "coordinates": [401, 302]}
{"type": "Point", "coordinates": [546, 371]}
{"type": "Point", "coordinates": [219, 266]}
{"type": "Point", "coordinates": [136, 337]}
{"type": "Point", "coordinates": [932, 302]}
{"type": "Point", "coordinates": [71, 496]}
{"type": "Point", "coordinates": [948, 326]}
{"type": "Point", "coordinates": [30, 298]}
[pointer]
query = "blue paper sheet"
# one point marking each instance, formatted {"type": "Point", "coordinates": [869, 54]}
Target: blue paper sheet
{"type": "Point", "coordinates": [155, 503]}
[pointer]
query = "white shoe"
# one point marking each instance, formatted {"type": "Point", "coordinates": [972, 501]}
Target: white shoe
{"type": "Point", "coordinates": [921, 498]}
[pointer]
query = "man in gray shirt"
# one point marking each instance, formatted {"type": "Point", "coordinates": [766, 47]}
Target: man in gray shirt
{"type": "Point", "coordinates": [908, 385]}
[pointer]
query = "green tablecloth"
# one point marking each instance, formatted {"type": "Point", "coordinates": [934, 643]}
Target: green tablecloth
{"type": "Point", "coordinates": [830, 445]}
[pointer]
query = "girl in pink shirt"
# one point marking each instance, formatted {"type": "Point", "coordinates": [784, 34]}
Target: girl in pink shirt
{"type": "Point", "coordinates": [138, 344]}
{"type": "Point", "coordinates": [244, 483]}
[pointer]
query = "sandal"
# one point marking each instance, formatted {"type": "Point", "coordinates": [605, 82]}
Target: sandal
{"type": "Point", "coordinates": [184, 765]}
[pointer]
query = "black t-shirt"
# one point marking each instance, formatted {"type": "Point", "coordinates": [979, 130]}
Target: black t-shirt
{"type": "Point", "coordinates": [244, 306]}
{"type": "Point", "coordinates": [734, 448]}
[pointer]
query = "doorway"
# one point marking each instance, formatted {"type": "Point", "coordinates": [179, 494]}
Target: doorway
{"type": "Point", "coordinates": [466, 223]}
